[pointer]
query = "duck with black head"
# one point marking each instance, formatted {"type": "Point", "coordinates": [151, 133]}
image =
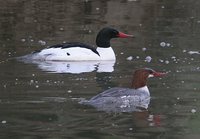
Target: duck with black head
{"type": "Point", "coordinates": [76, 51]}
{"type": "Point", "coordinates": [118, 99]}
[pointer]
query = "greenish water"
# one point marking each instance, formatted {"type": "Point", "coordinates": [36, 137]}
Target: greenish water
{"type": "Point", "coordinates": [38, 101]}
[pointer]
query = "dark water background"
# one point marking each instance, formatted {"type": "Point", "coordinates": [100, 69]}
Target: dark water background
{"type": "Point", "coordinates": [36, 103]}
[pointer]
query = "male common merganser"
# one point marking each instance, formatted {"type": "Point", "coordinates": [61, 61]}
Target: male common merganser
{"type": "Point", "coordinates": [119, 99]}
{"type": "Point", "coordinates": [80, 51]}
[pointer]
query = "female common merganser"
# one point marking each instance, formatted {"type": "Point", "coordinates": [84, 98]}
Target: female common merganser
{"type": "Point", "coordinates": [119, 99]}
{"type": "Point", "coordinates": [81, 51]}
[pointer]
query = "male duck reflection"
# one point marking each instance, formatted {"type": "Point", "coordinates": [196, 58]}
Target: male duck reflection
{"type": "Point", "coordinates": [81, 51]}
{"type": "Point", "coordinates": [119, 99]}
{"type": "Point", "coordinates": [75, 67]}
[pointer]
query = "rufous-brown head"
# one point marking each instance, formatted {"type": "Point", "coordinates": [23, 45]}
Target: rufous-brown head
{"type": "Point", "coordinates": [140, 77]}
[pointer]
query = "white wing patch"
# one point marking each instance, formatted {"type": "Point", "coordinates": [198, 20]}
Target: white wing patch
{"type": "Point", "coordinates": [68, 54]}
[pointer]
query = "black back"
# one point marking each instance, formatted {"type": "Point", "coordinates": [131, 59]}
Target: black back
{"type": "Point", "coordinates": [74, 44]}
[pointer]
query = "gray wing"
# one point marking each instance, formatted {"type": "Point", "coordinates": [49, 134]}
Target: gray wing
{"type": "Point", "coordinates": [120, 100]}
{"type": "Point", "coordinates": [118, 92]}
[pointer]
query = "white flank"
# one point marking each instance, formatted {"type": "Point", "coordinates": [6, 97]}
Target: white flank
{"type": "Point", "coordinates": [74, 54]}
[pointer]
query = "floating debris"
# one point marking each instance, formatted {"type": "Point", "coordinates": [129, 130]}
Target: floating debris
{"type": "Point", "coordinates": [3, 122]}
{"type": "Point", "coordinates": [130, 129]}
{"type": "Point", "coordinates": [42, 42]}
{"type": "Point", "coordinates": [193, 52]}
{"type": "Point", "coordinates": [61, 29]}
{"type": "Point", "coordinates": [69, 91]}
{"type": "Point", "coordinates": [161, 60]}
{"type": "Point", "coordinates": [193, 111]}
{"type": "Point", "coordinates": [184, 51]}
{"type": "Point", "coordinates": [166, 62]}
{"type": "Point", "coordinates": [163, 44]}
{"type": "Point", "coordinates": [148, 59]}
{"type": "Point", "coordinates": [23, 40]}
{"type": "Point", "coordinates": [144, 49]}
{"type": "Point", "coordinates": [137, 57]}
{"type": "Point", "coordinates": [168, 44]}
{"type": "Point", "coordinates": [129, 58]}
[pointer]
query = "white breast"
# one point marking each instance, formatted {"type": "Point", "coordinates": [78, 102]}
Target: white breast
{"type": "Point", "coordinates": [106, 53]}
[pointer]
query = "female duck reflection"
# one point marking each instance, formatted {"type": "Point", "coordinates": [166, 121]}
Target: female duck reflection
{"type": "Point", "coordinates": [117, 99]}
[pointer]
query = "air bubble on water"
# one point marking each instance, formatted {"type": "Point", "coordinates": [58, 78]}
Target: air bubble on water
{"type": "Point", "coordinates": [4, 122]}
{"type": "Point", "coordinates": [23, 40]}
{"type": "Point", "coordinates": [5, 86]}
{"type": "Point", "coordinates": [193, 52]}
{"type": "Point", "coordinates": [166, 62]}
{"type": "Point", "coordinates": [33, 74]}
{"type": "Point", "coordinates": [97, 8]}
{"type": "Point", "coordinates": [130, 129]}
{"type": "Point", "coordinates": [148, 59]}
{"type": "Point", "coordinates": [162, 6]}
{"type": "Point", "coordinates": [31, 81]}
{"type": "Point", "coordinates": [61, 29]}
{"type": "Point", "coordinates": [173, 57]}
{"type": "Point", "coordinates": [37, 86]}
{"type": "Point", "coordinates": [184, 51]}
{"type": "Point", "coordinates": [69, 91]}
{"type": "Point", "coordinates": [161, 60]}
{"type": "Point", "coordinates": [178, 71]}
{"type": "Point", "coordinates": [144, 49]}
{"type": "Point", "coordinates": [193, 111]}
{"type": "Point", "coordinates": [31, 40]}
{"type": "Point", "coordinates": [178, 98]}
{"type": "Point", "coordinates": [182, 81]}
{"type": "Point", "coordinates": [121, 53]}
{"type": "Point", "coordinates": [41, 42]}
{"type": "Point", "coordinates": [163, 44]}
{"type": "Point", "coordinates": [129, 58]}
{"type": "Point", "coordinates": [168, 44]}
{"type": "Point", "coordinates": [137, 57]}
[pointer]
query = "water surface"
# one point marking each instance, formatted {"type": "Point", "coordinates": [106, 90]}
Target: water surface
{"type": "Point", "coordinates": [37, 102]}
